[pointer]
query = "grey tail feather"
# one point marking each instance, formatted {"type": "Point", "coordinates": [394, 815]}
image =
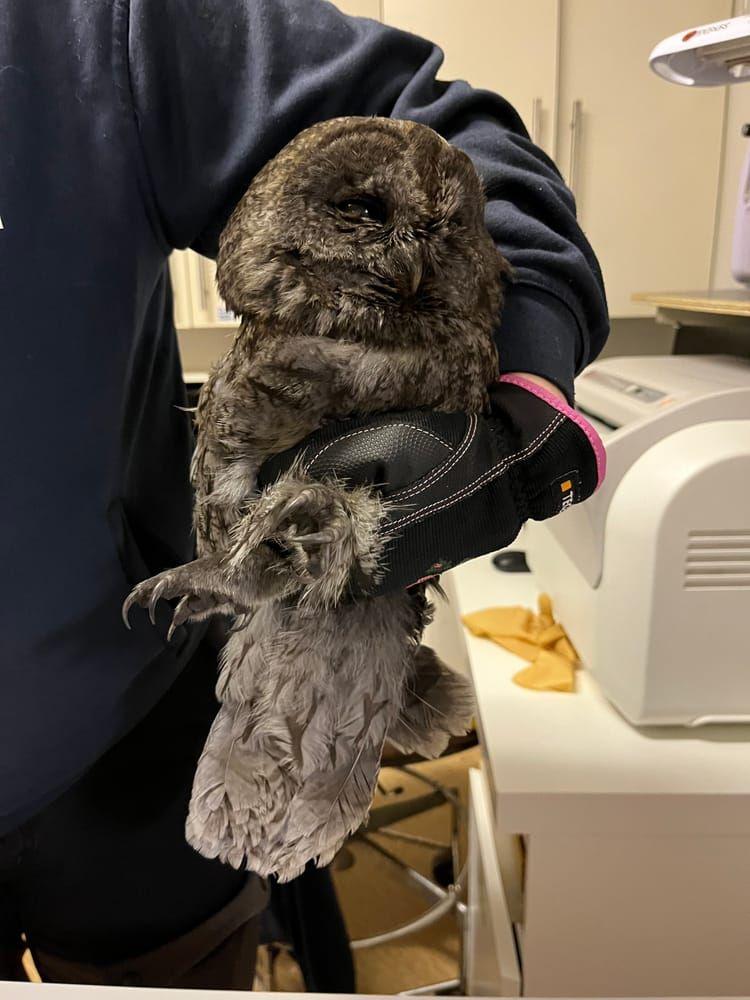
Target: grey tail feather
{"type": "Point", "coordinates": [438, 703]}
{"type": "Point", "coordinates": [331, 804]}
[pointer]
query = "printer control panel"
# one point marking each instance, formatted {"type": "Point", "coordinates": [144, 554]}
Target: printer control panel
{"type": "Point", "coordinates": [621, 392]}
{"type": "Point", "coordinates": [636, 390]}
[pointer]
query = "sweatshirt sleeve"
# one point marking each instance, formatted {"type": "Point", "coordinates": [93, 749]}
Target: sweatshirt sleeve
{"type": "Point", "coordinates": [218, 87]}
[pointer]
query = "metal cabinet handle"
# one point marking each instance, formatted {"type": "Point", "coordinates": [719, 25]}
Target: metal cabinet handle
{"type": "Point", "coordinates": [536, 120]}
{"type": "Point", "coordinates": [204, 290]}
{"type": "Point", "coordinates": [202, 284]}
{"type": "Point", "coordinates": [575, 123]}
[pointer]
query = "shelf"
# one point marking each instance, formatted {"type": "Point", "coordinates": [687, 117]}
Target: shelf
{"type": "Point", "coordinates": [732, 302]}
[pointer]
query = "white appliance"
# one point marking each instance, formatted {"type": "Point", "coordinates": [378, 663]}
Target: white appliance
{"type": "Point", "coordinates": [709, 55]}
{"type": "Point", "coordinates": [651, 576]}
{"type": "Point", "coordinates": [713, 55]}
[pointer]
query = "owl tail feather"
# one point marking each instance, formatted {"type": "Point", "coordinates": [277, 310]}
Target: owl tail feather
{"type": "Point", "coordinates": [333, 800]}
{"type": "Point", "coordinates": [322, 818]}
{"type": "Point", "coordinates": [242, 785]}
{"type": "Point", "coordinates": [438, 703]}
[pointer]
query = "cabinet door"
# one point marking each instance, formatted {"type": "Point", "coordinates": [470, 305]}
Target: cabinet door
{"type": "Point", "coordinates": [360, 8]}
{"type": "Point", "coordinates": [179, 269]}
{"type": "Point", "coordinates": [500, 45]}
{"type": "Point", "coordinates": [207, 308]}
{"type": "Point", "coordinates": [490, 956]}
{"type": "Point", "coordinates": [642, 155]}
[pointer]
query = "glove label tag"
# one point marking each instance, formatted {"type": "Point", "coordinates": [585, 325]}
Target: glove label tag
{"type": "Point", "coordinates": [568, 489]}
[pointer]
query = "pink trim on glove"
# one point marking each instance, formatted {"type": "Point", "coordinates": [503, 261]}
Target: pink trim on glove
{"type": "Point", "coordinates": [562, 407]}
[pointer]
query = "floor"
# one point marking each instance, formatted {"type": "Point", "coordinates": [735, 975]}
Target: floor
{"type": "Point", "coordinates": [376, 897]}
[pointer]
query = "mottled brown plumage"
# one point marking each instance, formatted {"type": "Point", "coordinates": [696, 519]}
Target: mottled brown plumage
{"type": "Point", "coordinates": [365, 280]}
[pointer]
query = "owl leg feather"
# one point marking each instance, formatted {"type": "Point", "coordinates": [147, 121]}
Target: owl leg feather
{"type": "Point", "coordinates": [438, 703]}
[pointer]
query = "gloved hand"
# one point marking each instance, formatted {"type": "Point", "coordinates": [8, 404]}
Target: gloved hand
{"type": "Point", "coordinates": [458, 486]}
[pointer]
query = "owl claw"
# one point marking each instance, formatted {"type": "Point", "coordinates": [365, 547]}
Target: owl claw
{"type": "Point", "coordinates": [181, 615]}
{"type": "Point", "coordinates": [314, 538]}
{"type": "Point", "coordinates": [155, 597]}
{"type": "Point", "coordinates": [290, 506]}
{"type": "Point", "coordinates": [239, 623]}
{"type": "Point", "coordinates": [128, 604]}
{"type": "Point", "coordinates": [189, 583]}
{"type": "Point", "coordinates": [201, 589]}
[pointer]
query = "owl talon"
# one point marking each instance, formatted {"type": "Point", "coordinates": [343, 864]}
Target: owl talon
{"type": "Point", "coordinates": [130, 600]}
{"type": "Point", "coordinates": [208, 586]}
{"type": "Point", "coordinates": [155, 597]}
{"type": "Point", "coordinates": [314, 538]}
{"type": "Point", "coordinates": [182, 613]}
{"type": "Point", "coordinates": [240, 622]}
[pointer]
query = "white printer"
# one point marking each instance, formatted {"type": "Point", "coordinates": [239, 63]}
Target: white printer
{"type": "Point", "coordinates": [651, 576]}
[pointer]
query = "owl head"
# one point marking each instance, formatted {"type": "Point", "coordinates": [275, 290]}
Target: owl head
{"type": "Point", "coordinates": [367, 229]}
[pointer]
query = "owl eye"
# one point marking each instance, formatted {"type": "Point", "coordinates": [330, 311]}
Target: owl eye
{"type": "Point", "coordinates": [363, 208]}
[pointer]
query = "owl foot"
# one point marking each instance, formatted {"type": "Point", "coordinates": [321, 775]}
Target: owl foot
{"type": "Point", "coordinates": [201, 587]}
{"type": "Point", "coordinates": [326, 534]}
{"type": "Point", "coordinates": [214, 585]}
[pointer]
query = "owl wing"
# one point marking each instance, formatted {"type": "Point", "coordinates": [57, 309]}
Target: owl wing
{"type": "Point", "coordinates": [253, 405]}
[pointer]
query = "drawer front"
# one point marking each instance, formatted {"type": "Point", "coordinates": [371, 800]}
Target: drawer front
{"type": "Point", "coordinates": [491, 962]}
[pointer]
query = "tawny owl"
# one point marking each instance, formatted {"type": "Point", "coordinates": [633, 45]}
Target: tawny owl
{"type": "Point", "coordinates": [365, 279]}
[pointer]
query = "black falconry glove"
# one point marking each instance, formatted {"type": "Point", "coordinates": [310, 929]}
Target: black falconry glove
{"type": "Point", "coordinates": [457, 486]}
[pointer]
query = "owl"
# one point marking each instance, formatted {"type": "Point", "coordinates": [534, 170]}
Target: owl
{"type": "Point", "coordinates": [365, 281]}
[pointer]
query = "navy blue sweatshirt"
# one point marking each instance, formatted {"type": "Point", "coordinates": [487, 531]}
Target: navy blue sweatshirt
{"type": "Point", "coordinates": [127, 128]}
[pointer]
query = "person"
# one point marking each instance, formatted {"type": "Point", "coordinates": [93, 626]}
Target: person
{"type": "Point", "coordinates": [130, 128]}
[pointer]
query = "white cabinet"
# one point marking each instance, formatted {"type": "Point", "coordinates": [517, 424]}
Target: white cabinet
{"type": "Point", "coordinates": [643, 157]}
{"type": "Point", "coordinates": [490, 956]}
{"type": "Point", "coordinates": [179, 270]}
{"type": "Point", "coordinates": [636, 847]}
{"type": "Point", "coordinates": [360, 8]}
{"type": "Point", "coordinates": [208, 308]}
{"type": "Point", "coordinates": [501, 45]}
{"type": "Point", "coordinates": [197, 303]}
{"type": "Point", "coordinates": [644, 154]}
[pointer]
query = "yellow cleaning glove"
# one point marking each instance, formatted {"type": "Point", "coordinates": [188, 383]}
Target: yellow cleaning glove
{"type": "Point", "coordinates": [536, 637]}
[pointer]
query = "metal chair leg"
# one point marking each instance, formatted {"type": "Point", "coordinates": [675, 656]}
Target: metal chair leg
{"type": "Point", "coordinates": [443, 900]}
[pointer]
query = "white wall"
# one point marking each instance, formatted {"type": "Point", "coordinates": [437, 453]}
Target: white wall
{"type": "Point", "coordinates": [735, 148]}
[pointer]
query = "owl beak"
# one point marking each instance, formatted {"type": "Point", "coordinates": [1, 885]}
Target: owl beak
{"type": "Point", "coordinates": [414, 277]}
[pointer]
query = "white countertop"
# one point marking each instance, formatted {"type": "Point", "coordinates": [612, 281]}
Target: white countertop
{"type": "Point", "coordinates": [570, 763]}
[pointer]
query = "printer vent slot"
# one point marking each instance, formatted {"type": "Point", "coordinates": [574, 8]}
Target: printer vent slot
{"type": "Point", "coordinates": [718, 560]}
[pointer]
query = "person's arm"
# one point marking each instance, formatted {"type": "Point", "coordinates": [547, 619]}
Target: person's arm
{"type": "Point", "coordinates": [217, 87]}
{"type": "Point", "coordinates": [467, 493]}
